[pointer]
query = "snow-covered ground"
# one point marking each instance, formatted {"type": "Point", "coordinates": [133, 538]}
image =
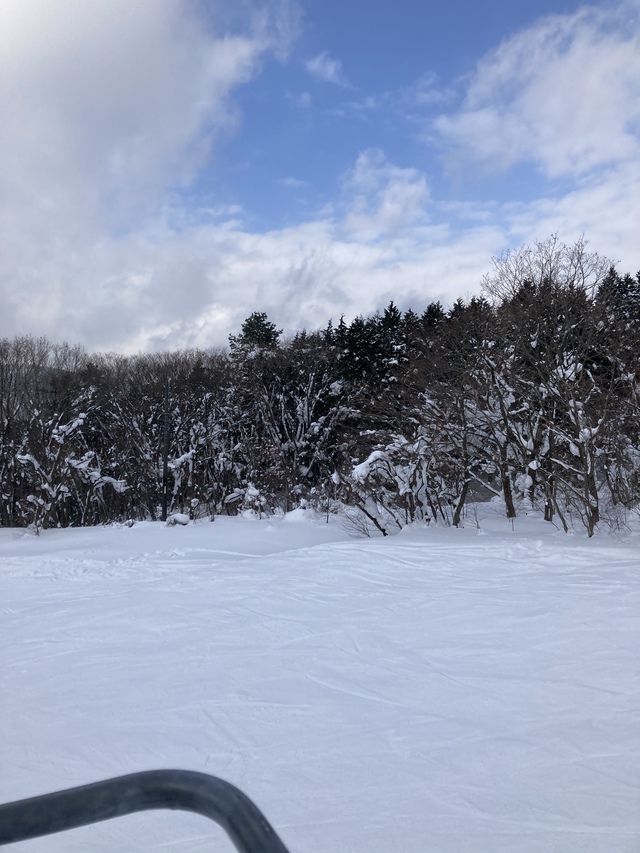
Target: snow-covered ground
{"type": "Point", "coordinates": [441, 690]}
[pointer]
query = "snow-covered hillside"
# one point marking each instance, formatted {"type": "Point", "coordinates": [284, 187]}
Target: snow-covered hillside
{"type": "Point", "coordinates": [442, 690]}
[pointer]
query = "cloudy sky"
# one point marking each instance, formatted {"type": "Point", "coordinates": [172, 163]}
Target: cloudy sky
{"type": "Point", "coordinates": [169, 166]}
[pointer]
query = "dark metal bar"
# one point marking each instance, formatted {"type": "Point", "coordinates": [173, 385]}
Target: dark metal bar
{"type": "Point", "coordinates": [206, 795]}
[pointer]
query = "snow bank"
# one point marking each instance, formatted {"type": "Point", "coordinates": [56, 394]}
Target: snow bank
{"type": "Point", "coordinates": [441, 691]}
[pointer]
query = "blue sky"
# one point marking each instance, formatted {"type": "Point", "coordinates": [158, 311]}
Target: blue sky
{"type": "Point", "coordinates": [364, 75]}
{"type": "Point", "coordinates": [171, 166]}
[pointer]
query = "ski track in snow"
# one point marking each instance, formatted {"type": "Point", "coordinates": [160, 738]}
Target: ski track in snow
{"type": "Point", "coordinates": [440, 690]}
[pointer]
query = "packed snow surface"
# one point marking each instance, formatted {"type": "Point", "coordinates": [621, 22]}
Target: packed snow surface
{"type": "Point", "coordinates": [441, 690]}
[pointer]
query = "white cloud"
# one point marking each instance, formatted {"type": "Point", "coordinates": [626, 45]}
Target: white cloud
{"type": "Point", "coordinates": [165, 288]}
{"type": "Point", "coordinates": [220, 211]}
{"type": "Point", "coordinates": [387, 198]}
{"type": "Point", "coordinates": [111, 100]}
{"type": "Point", "coordinates": [294, 183]}
{"type": "Point", "coordinates": [301, 276]}
{"type": "Point", "coordinates": [160, 287]}
{"type": "Point", "coordinates": [112, 105]}
{"type": "Point", "coordinates": [361, 109]}
{"type": "Point", "coordinates": [426, 91]}
{"type": "Point", "coordinates": [326, 70]}
{"type": "Point", "coordinates": [563, 94]}
{"type": "Point", "coordinates": [604, 208]}
{"type": "Point", "coordinates": [302, 99]}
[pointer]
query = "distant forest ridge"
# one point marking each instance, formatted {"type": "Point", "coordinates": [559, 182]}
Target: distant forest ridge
{"type": "Point", "coordinates": [528, 393]}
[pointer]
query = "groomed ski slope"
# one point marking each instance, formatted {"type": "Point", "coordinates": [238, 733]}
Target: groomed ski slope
{"type": "Point", "coordinates": [442, 690]}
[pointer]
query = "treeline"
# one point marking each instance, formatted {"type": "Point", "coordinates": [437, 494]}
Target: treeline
{"type": "Point", "coordinates": [529, 393]}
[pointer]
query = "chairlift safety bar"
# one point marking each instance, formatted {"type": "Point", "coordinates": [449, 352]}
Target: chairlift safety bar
{"type": "Point", "coordinates": [209, 796]}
